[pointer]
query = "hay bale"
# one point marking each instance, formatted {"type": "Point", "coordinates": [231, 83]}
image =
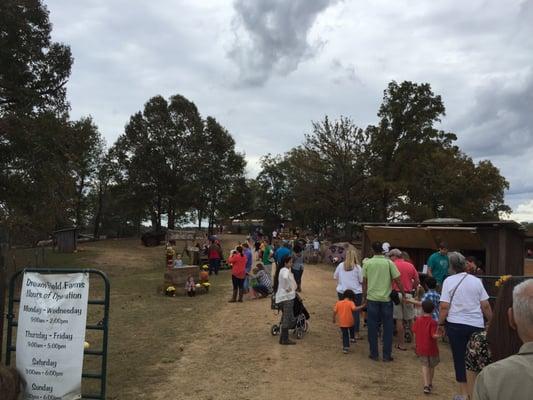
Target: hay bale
{"type": "Point", "coordinates": [178, 276]}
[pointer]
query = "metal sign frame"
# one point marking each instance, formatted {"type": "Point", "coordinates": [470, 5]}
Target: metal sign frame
{"type": "Point", "coordinates": [102, 326]}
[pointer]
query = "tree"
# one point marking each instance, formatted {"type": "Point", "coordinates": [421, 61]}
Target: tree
{"type": "Point", "coordinates": [33, 69]}
{"type": "Point", "coordinates": [405, 132]}
{"type": "Point", "coordinates": [35, 166]}
{"type": "Point", "coordinates": [156, 153]}
{"type": "Point", "coordinates": [338, 170]}
{"type": "Point", "coordinates": [38, 181]}
{"type": "Point", "coordinates": [220, 175]}
{"type": "Point", "coordinates": [86, 149]}
{"type": "Point", "coordinates": [273, 184]}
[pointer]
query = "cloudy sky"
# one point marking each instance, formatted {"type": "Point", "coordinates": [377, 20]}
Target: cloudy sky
{"type": "Point", "coordinates": [267, 68]}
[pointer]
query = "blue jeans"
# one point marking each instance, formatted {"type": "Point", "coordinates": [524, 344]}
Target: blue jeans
{"type": "Point", "coordinates": [459, 335]}
{"type": "Point", "coordinates": [346, 333]}
{"type": "Point", "coordinates": [247, 279]}
{"type": "Point", "coordinates": [380, 311]}
{"type": "Point", "coordinates": [298, 275]}
{"type": "Point", "coordinates": [214, 265]}
{"type": "Point", "coordinates": [261, 289]}
{"type": "Point", "coordinates": [357, 314]}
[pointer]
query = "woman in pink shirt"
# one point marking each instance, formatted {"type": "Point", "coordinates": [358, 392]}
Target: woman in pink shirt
{"type": "Point", "coordinates": [238, 273]}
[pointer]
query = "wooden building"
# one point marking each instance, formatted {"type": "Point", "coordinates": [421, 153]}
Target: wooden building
{"type": "Point", "coordinates": [499, 245]}
{"type": "Point", "coordinates": [66, 240]}
{"type": "Point", "coordinates": [528, 262]}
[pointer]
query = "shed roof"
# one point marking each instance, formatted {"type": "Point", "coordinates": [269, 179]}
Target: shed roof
{"type": "Point", "coordinates": [74, 228]}
{"type": "Point", "coordinates": [476, 224]}
{"type": "Point", "coordinates": [429, 233]}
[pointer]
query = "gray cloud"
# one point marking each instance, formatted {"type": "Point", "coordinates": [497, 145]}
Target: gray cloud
{"type": "Point", "coordinates": [271, 36]}
{"type": "Point", "coordinates": [500, 122]}
{"type": "Point", "coordinates": [344, 73]}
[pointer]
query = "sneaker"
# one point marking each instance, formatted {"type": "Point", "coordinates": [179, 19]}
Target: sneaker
{"type": "Point", "coordinates": [427, 390]}
{"type": "Point", "coordinates": [388, 359]}
{"type": "Point", "coordinates": [345, 350]}
{"type": "Point", "coordinates": [373, 358]}
{"type": "Point", "coordinates": [352, 340]}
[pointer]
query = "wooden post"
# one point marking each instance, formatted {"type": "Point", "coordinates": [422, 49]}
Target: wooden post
{"type": "Point", "coordinates": [3, 279]}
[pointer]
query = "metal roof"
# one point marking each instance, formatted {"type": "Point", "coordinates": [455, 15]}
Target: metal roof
{"type": "Point", "coordinates": [476, 224]}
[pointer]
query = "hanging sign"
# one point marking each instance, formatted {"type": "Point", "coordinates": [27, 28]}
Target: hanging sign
{"type": "Point", "coordinates": [51, 334]}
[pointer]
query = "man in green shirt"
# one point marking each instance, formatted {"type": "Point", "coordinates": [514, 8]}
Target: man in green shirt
{"type": "Point", "coordinates": [438, 264]}
{"type": "Point", "coordinates": [378, 274]}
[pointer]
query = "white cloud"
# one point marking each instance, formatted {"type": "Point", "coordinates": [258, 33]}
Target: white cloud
{"type": "Point", "coordinates": [524, 212]}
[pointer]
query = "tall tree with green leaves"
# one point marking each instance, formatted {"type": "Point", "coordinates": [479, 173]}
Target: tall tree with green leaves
{"type": "Point", "coordinates": [405, 132]}
{"type": "Point", "coordinates": [273, 188]}
{"type": "Point", "coordinates": [33, 69]}
{"type": "Point", "coordinates": [86, 150]}
{"type": "Point", "coordinates": [220, 174]}
{"type": "Point", "coordinates": [35, 166]}
{"type": "Point", "coordinates": [156, 153]}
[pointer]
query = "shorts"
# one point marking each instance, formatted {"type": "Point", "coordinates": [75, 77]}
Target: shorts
{"type": "Point", "coordinates": [429, 361]}
{"type": "Point", "coordinates": [404, 311]}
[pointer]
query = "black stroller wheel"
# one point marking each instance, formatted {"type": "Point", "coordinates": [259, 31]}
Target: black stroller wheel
{"type": "Point", "coordinates": [274, 330]}
{"type": "Point", "coordinates": [299, 333]}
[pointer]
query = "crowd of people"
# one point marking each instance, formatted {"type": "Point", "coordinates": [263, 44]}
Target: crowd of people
{"type": "Point", "coordinates": [447, 303]}
{"type": "Point", "coordinates": [491, 347]}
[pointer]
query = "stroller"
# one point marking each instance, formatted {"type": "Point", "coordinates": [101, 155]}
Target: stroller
{"type": "Point", "coordinates": [301, 326]}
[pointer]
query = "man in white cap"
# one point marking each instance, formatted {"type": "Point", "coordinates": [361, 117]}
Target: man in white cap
{"type": "Point", "coordinates": [386, 248]}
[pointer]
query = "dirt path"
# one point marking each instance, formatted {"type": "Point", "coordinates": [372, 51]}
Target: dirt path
{"type": "Point", "coordinates": [235, 357]}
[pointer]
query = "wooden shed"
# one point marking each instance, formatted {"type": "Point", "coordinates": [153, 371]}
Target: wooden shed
{"type": "Point", "coordinates": [66, 240]}
{"type": "Point", "coordinates": [499, 245]}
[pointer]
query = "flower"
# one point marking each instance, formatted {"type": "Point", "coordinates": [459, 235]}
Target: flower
{"type": "Point", "coordinates": [502, 280]}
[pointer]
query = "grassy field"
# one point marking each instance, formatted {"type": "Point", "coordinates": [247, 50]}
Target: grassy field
{"type": "Point", "coordinates": [147, 331]}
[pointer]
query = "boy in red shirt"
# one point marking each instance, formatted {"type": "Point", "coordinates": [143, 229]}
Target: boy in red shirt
{"type": "Point", "coordinates": [343, 313]}
{"type": "Point", "coordinates": [425, 330]}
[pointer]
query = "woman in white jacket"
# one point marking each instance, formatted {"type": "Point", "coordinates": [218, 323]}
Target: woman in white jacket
{"type": "Point", "coordinates": [349, 276]}
{"type": "Point", "coordinates": [285, 288]}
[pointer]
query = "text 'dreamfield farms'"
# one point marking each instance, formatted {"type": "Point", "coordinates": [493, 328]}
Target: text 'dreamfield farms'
{"type": "Point", "coordinates": [51, 333]}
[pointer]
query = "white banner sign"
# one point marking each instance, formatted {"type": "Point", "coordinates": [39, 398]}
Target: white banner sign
{"type": "Point", "coordinates": [50, 334]}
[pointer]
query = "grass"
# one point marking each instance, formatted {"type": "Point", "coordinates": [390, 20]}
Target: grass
{"type": "Point", "coordinates": [147, 331]}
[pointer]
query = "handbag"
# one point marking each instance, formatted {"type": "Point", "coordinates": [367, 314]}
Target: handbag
{"type": "Point", "coordinates": [394, 295]}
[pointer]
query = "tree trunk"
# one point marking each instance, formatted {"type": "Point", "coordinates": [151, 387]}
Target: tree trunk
{"type": "Point", "coordinates": [158, 211]}
{"type": "Point", "coordinates": [384, 205]}
{"type": "Point", "coordinates": [210, 225]}
{"type": "Point", "coordinates": [200, 215]}
{"type": "Point", "coordinates": [98, 214]}
{"type": "Point", "coordinates": [171, 216]}
{"type": "Point", "coordinates": [153, 218]}
{"type": "Point", "coordinates": [79, 201]}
